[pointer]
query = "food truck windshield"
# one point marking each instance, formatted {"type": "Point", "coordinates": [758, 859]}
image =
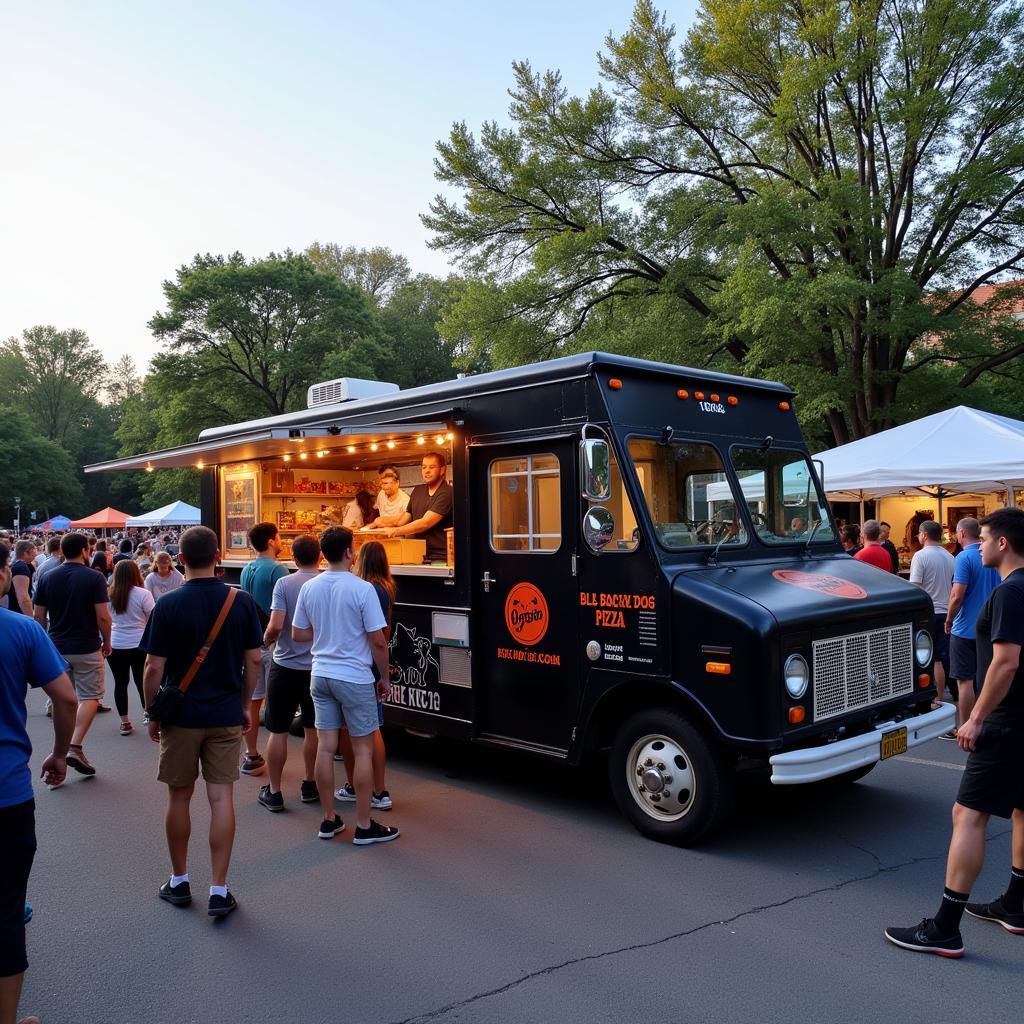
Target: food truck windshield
{"type": "Point", "coordinates": [693, 503]}
{"type": "Point", "coordinates": [349, 482]}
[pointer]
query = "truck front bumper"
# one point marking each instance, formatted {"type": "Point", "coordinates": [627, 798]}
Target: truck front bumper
{"type": "Point", "coordinates": [812, 764]}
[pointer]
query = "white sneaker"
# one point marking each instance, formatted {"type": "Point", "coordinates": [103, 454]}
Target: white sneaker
{"type": "Point", "coordinates": [347, 792]}
{"type": "Point", "coordinates": [381, 801]}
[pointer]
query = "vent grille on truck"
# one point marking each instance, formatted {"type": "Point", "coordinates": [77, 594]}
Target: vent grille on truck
{"type": "Point", "coordinates": [856, 671]}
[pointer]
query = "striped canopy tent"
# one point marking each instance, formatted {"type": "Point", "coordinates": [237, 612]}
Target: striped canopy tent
{"type": "Point", "coordinates": [106, 519]}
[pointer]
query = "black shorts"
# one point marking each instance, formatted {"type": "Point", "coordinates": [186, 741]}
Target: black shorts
{"type": "Point", "coordinates": [993, 781]}
{"type": "Point", "coordinates": [963, 657]}
{"type": "Point", "coordinates": [941, 638]}
{"type": "Point", "coordinates": [17, 849]}
{"type": "Point", "coordinates": [288, 689]}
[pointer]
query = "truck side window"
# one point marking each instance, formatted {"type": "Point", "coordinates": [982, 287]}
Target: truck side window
{"type": "Point", "coordinates": [688, 494]}
{"type": "Point", "coordinates": [526, 504]}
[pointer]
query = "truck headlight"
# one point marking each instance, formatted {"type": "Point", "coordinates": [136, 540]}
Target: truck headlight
{"type": "Point", "coordinates": [923, 648]}
{"type": "Point", "coordinates": [797, 675]}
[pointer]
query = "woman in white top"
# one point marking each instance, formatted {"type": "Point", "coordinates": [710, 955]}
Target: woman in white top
{"type": "Point", "coordinates": [130, 607]}
{"type": "Point", "coordinates": [359, 512]}
{"type": "Point", "coordinates": [164, 578]}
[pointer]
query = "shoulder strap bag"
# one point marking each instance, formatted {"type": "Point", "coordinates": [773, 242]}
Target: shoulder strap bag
{"type": "Point", "coordinates": [165, 704]}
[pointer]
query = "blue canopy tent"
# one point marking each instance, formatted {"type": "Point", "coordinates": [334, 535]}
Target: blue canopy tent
{"type": "Point", "coordinates": [56, 523]}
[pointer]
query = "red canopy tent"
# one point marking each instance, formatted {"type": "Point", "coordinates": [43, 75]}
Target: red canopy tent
{"type": "Point", "coordinates": [106, 519]}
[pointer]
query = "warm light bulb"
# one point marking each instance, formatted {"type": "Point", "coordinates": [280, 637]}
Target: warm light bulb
{"type": "Point", "coordinates": [373, 447]}
{"type": "Point", "coordinates": [303, 455]}
{"type": "Point", "coordinates": [149, 469]}
{"type": "Point", "coordinates": [199, 465]}
{"type": "Point", "coordinates": [421, 440]}
{"type": "Point", "coordinates": [287, 458]}
{"type": "Point", "coordinates": [319, 455]}
{"type": "Point", "coordinates": [391, 444]}
{"type": "Point", "coordinates": [351, 449]}
{"type": "Point", "coordinates": [450, 436]}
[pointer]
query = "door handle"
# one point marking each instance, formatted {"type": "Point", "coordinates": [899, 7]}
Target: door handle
{"type": "Point", "coordinates": [487, 581]}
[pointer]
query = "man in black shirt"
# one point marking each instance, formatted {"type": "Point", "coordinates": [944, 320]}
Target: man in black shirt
{"type": "Point", "coordinates": [22, 570]}
{"type": "Point", "coordinates": [993, 782]}
{"type": "Point", "coordinates": [894, 555]}
{"type": "Point", "coordinates": [430, 509]}
{"type": "Point", "coordinates": [213, 714]}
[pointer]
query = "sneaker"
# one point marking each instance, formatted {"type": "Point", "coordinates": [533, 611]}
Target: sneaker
{"type": "Point", "coordinates": [49, 710]}
{"type": "Point", "coordinates": [338, 757]}
{"type": "Point", "coordinates": [376, 833]}
{"type": "Point", "coordinates": [102, 708]}
{"type": "Point", "coordinates": [126, 729]}
{"type": "Point", "coordinates": [180, 895]}
{"type": "Point", "coordinates": [347, 792]}
{"type": "Point", "coordinates": [308, 793]}
{"type": "Point", "coordinates": [951, 735]}
{"type": "Point", "coordinates": [995, 911]}
{"type": "Point", "coordinates": [381, 801]}
{"type": "Point", "coordinates": [329, 829]}
{"type": "Point", "coordinates": [253, 764]}
{"type": "Point", "coordinates": [80, 762]}
{"type": "Point", "coordinates": [272, 801]}
{"type": "Point", "coordinates": [922, 939]}
{"type": "Point", "coordinates": [221, 906]}
{"type": "Point", "coordinates": [145, 718]}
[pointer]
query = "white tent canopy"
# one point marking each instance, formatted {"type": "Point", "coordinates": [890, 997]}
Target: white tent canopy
{"type": "Point", "coordinates": [959, 451]}
{"type": "Point", "coordinates": [178, 513]}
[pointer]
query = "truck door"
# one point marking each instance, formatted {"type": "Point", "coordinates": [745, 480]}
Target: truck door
{"type": "Point", "coordinates": [525, 600]}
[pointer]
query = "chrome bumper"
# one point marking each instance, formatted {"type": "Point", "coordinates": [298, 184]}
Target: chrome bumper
{"type": "Point", "coordinates": [812, 764]}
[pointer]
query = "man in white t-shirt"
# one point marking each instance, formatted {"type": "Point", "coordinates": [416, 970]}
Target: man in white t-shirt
{"type": "Point", "coordinates": [392, 501]}
{"type": "Point", "coordinates": [341, 615]}
{"type": "Point", "coordinates": [931, 569]}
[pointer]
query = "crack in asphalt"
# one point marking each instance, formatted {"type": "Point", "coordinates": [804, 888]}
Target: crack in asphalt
{"type": "Point", "coordinates": [880, 869]}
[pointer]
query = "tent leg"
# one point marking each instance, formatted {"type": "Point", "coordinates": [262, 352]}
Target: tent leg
{"type": "Point", "coordinates": [940, 505]}
{"type": "Point", "coordinates": [861, 508]}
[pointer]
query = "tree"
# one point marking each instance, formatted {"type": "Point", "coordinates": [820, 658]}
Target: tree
{"type": "Point", "coordinates": [54, 376]}
{"type": "Point", "coordinates": [805, 192]}
{"type": "Point", "coordinates": [263, 329]}
{"type": "Point", "coordinates": [376, 272]}
{"type": "Point", "coordinates": [35, 469]}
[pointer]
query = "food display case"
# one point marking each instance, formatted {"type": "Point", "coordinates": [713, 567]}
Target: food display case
{"type": "Point", "coordinates": [240, 508]}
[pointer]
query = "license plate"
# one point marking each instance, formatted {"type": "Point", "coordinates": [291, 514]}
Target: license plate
{"type": "Point", "coordinates": [894, 742]}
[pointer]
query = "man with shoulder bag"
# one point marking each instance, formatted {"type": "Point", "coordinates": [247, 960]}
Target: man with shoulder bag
{"type": "Point", "coordinates": [203, 645]}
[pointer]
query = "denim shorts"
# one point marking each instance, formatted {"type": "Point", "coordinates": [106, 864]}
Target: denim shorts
{"type": "Point", "coordinates": [338, 702]}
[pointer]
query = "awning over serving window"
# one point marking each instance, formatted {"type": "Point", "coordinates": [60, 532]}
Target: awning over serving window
{"type": "Point", "coordinates": [265, 444]}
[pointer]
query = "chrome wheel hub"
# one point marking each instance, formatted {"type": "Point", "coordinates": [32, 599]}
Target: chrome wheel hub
{"type": "Point", "coordinates": [660, 777]}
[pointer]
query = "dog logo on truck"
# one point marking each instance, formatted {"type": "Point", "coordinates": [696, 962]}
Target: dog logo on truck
{"type": "Point", "coordinates": [526, 614]}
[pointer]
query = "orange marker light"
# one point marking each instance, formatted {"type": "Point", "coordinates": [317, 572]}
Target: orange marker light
{"type": "Point", "coordinates": [796, 714]}
{"type": "Point", "coordinates": [615, 384]}
{"type": "Point", "coordinates": [716, 398]}
{"type": "Point", "coordinates": [733, 400]}
{"type": "Point", "coordinates": [924, 680]}
{"type": "Point", "coordinates": [699, 395]}
{"type": "Point", "coordinates": [784, 406]}
{"type": "Point", "coordinates": [682, 393]}
{"type": "Point", "coordinates": [718, 668]}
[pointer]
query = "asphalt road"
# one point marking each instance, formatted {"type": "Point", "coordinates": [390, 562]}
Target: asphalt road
{"type": "Point", "coordinates": [515, 893]}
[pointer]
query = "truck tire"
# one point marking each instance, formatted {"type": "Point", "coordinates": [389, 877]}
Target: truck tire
{"type": "Point", "coordinates": [667, 779]}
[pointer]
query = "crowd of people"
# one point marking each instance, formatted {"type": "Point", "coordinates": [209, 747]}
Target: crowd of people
{"type": "Point", "coordinates": [312, 645]}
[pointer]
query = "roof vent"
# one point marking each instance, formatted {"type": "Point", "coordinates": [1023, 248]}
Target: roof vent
{"type": "Point", "coordinates": [346, 389]}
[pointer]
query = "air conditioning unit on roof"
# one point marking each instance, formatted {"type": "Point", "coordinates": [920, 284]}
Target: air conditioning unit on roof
{"type": "Point", "coordinates": [346, 389]}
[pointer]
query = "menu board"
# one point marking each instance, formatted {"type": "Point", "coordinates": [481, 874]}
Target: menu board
{"type": "Point", "coordinates": [240, 503]}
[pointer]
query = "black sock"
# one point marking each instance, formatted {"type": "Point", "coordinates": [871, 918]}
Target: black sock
{"type": "Point", "coordinates": [1013, 898]}
{"type": "Point", "coordinates": [947, 920]}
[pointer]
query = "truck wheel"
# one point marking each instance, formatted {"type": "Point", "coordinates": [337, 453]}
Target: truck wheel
{"type": "Point", "coordinates": [667, 779]}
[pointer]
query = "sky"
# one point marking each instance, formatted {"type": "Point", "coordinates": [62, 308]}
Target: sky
{"type": "Point", "coordinates": [138, 134]}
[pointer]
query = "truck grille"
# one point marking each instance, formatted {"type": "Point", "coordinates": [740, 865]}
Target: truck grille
{"type": "Point", "coordinates": [861, 669]}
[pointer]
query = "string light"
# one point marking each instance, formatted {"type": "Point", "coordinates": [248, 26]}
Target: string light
{"type": "Point", "coordinates": [319, 455]}
{"type": "Point", "coordinates": [391, 444]}
{"type": "Point", "coordinates": [450, 436]}
{"type": "Point", "coordinates": [439, 439]}
{"type": "Point", "coordinates": [351, 449]}
{"type": "Point", "coordinates": [373, 447]}
{"type": "Point", "coordinates": [303, 455]}
{"type": "Point", "coordinates": [421, 440]}
{"type": "Point", "coordinates": [199, 465]}
{"type": "Point", "coordinates": [287, 458]}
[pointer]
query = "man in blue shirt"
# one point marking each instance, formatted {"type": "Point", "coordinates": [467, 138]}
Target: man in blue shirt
{"type": "Point", "coordinates": [258, 580]}
{"type": "Point", "coordinates": [972, 584]}
{"type": "Point", "coordinates": [29, 659]}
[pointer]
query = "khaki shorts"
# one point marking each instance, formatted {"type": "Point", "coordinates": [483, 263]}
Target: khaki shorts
{"type": "Point", "coordinates": [88, 673]}
{"type": "Point", "coordinates": [182, 750]}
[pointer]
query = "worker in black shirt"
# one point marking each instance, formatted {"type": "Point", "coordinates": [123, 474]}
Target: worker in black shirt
{"type": "Point", "coordinates": [430, 509]}
{"type": "Point", "coordinates": [993, 782]}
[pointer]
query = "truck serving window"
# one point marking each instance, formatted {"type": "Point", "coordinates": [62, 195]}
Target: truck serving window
{"type": "Point", "coordinates": [526, 504]}
{"type": "Point", "coordinates": [688, 494]}
{"type": "Point", "coordinates": [782, 496]}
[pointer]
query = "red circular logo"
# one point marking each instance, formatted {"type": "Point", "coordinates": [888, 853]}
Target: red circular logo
{"type": "Point", "coordinates": [526, 614]}
{"type": "Point", "coordinates": [833, 586]}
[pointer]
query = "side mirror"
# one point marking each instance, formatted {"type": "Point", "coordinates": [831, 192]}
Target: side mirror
{"type": "Point", "coordinates": [595, 469]}
{"type": "Point", "coordinates": [598, 527]}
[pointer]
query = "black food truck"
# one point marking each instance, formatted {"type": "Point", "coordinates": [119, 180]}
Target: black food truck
{"type": "Point", "coordinates": [640, 560]}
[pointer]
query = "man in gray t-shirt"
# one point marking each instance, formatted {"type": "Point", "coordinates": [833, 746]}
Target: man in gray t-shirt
{"type": "Point", "coordinates": [931, 569]}
{"type": "Point", "coordinates": [288, 680]}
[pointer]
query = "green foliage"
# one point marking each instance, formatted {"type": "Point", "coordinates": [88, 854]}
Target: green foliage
{"type": "Point", "coordinates": [376, 272]}
{"type": "Point", "coordinates": [804, 193]}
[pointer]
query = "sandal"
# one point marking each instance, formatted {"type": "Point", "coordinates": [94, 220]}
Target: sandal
{"type": "Point", "coordinates": [126, 729]}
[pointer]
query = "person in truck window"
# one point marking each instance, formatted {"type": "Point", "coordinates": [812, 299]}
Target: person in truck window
{"type": "Point", "coordinates": [430, 509]}
{"type": "Point", "coordinates": [851, 539]}
{"type": "Point", "coordinates": [392, 501]}
{"type": "Point", "coordinates": [873, 553]}
{"type": "Point", "coordinates": [359, 512]}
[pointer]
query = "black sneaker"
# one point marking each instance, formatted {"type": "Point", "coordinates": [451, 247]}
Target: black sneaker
{"type": "Point", "coordinates": [923, 939]}
{"type": "Point", "coordinates": [376, 833]}
{"type": "Point", "coordinates": [381, 801]}
{"type": "Point", "coordinates": [995, 911]}
{"type": "Point", "coordinates": [329, 829]}
{"type": "Point", "coordinates": [272, 801]}
{"type": "Point", "coordinates": [308, 793]}
{"type": "Point", "coordinates": [180, 895]}
{"type": "Point", "coordinates": [951, 735]}
{"type": "Point", "coordinates": [253, 764]}
{"type": "Point", "coordinates": [221, 906]}
{"type": "Point", "coordinates": [347, 792]}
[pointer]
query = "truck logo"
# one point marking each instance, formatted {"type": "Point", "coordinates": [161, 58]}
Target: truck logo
{"type": "Point", "coordinates": [833, 586]}
{"type": "Point", "coordinates": [526, 614]}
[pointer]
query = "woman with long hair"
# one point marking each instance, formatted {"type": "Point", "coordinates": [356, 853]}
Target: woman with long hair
{"type": "Point", "coordinates": [360, 511]}
{"type": "Point", "coordinates": [372, 566]}
{"type": "Point", "coordinates": [130, 607]}
{"type": "Point", "coordinates": [164, 578]}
